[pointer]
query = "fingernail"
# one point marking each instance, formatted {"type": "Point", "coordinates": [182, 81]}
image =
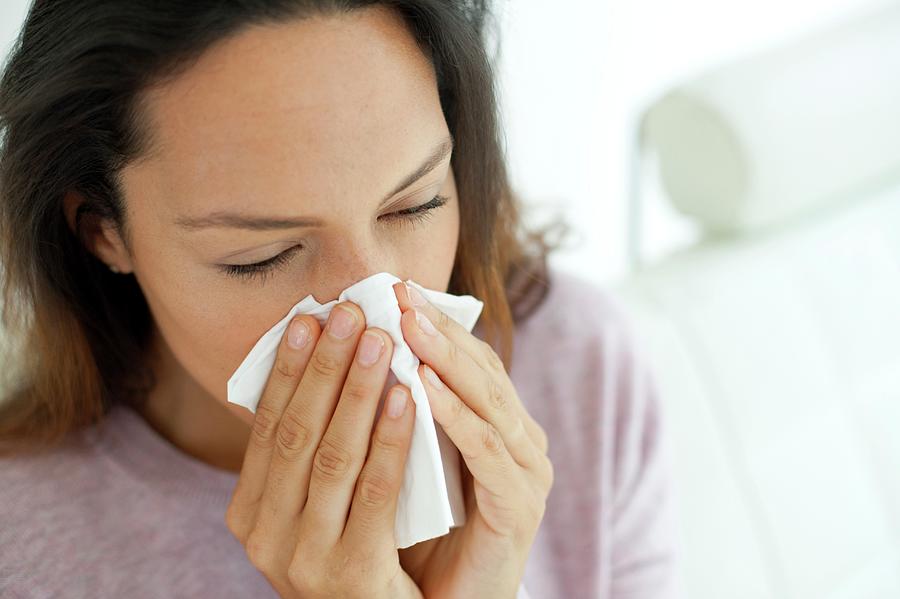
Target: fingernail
{"type": "Point", "coordinates": [341, 323]}
{"type": "Point", "coordinates": [414, 296]}
{"type": "Point", "coordinates": [433, 378]}
{"type": "Point", "coordinates": [425, 324]}
{"type": "Point", "coordinates": [396, 403]}
{"type": "Point", "coordinates": [370, 348]}
{"type": "Point", "coordinates": [298, 334]}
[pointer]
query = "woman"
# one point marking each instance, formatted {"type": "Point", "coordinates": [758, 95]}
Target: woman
{"type": "Point", "coordinates": [175, 176]}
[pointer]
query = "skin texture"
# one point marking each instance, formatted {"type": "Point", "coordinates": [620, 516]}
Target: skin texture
{"type": "Point", "coordinates": [319, 117]}
{"type": "Point", "coordinates": [319, 523]}
{"type": "Point", "coordinates": [322, 118]}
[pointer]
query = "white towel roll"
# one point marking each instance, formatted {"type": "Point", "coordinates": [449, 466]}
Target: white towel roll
{"type": "Point", "coordinates": [759, 141]}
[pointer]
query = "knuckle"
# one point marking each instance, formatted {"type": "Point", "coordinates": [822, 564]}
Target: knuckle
{"type": "Point", "coordinates": [355, 391]}
{"type": "Point", "coordinates": [286, 369]}
{"type": "Point", "coordinates": [324, 366]}
{"type": "Point", "coordinates": [375, 490]}
{"type": "Point", "coordinates": [543, 440]}
{"type": "Point", "coordinates": [265, 423]}
{"type": "Point", "coordinates": [259, 551]}
{"type": "Point", "coordinates": [443, 321]}
{"type": "Point", "coordinates": [382, 441]}
{"type": "Point", "coordinates": [301, 576]}
{"type": "Point", "coordinates": [296, 575]}
{"type": "Point", "coordinates": [306, 565]}
{"type": "Point", "coordinates": [235, 520]}
{"type": "Point", "coordinates": [293, 435]}
{"type": "Point", "coordinates": [491, 441]}
{"type": "Point", "coordinates": [549, 474]}
{"type": "Point", "coordinates": [496, 397]}
{"type": "Point", "coordinates": [332, 461]}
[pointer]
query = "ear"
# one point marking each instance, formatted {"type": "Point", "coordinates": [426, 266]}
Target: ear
{"type": "Point", "coordinates": [98, 235]}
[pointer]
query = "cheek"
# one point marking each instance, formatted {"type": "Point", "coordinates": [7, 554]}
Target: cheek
{"type": "Point", "coordinates": [448, 240]}
{"type": "Point", "coordinates": [430, 258]}
{"type": "Point", "coordinates": [211, 336]}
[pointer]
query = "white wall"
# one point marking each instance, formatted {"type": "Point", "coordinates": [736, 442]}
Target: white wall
{"type": "Point", "coordinates": [573, 76]}
{"type": "Point", "coordinates": [12, 13]}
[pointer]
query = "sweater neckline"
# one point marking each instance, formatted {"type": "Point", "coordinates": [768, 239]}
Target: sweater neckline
{"type": "Point", "coordinates": [137, 448]}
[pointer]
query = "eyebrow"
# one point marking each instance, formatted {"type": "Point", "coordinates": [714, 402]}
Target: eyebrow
{"type": "Point", "coordinates": [236, 220]}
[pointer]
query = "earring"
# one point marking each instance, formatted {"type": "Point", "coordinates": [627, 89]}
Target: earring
{"type": "Point", "coordinates": [114, 268]}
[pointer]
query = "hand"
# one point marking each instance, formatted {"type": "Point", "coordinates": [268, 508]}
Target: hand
{"type": "Point", "coordinates": [507, 475]}
{"type": "Point", "coordinates": [313, 512]}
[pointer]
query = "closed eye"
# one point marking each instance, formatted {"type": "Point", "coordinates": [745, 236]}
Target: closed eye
{"type": "Point", "coordinates": [410, 216]}
{"type": "Point", "coordinates": [419, 213]}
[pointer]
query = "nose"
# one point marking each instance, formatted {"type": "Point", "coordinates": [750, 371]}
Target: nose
{"type": "Point", "coordinates": [352, 265]}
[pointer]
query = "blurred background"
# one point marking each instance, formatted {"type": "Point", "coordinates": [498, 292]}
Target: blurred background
{"type": "Point", "coordinates": [732, 171]}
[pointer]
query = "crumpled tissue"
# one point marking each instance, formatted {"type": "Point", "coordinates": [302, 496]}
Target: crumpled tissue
{"type": "Point", "coordinates": [431, 498]}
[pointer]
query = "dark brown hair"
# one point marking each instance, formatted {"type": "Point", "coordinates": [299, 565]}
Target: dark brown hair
{"type": "Point", "coordinates": [70, 119]}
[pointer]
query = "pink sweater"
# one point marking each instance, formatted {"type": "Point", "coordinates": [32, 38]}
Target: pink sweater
{"type": "Point", "coordinates": [119, 512]}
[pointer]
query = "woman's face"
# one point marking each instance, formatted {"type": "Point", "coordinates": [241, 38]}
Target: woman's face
{"type": "Point", "coordinates": [305, 141]}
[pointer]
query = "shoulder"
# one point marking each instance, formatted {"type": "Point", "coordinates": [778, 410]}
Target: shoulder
{"type": "Point", "coordinates": [35, 474]}
{"type": "Point", "coordinates": [43, 495]}
{"type": "Point", "coordinates": [578, 325]}
{"type": "Point", "coordinates": [111, 492]}
{"type": "Point", "coordinates": [582, 372]}
{"type": "Point", "coordinates": [34, 477]}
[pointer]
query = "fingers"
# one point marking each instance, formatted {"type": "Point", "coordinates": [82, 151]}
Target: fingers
{"type": "Point", "coordinates": [309, 442]}
{"type": "Point", "coordinates": [481, 353]}
{"type": "Point", "coordinates": [343, 448]}
{"type": "Point", "coordinates": [490, 396]}
{"type": "Point", "coordinates": [292, 356]}
{"type": "Point", "coordinates": [480, 443]}
{"type": "Point", "coordinates": [306, 418]}
{"type": "Point", "coordinates": [374, 507]}
{"type": "Point", "coordinates": [410, 299]}
{"type": "Point", "coordinates": [477, 436]}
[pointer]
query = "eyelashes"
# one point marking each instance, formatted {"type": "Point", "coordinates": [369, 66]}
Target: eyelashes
{"type": "Point", "coordinates": [411, 217]}
{"type": "Point", "coordinates": [418, 214]}
{"type": "Point", "coordinates": [260, 269]}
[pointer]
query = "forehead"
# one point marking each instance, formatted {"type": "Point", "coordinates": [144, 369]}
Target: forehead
{"type": "Point", "coordinates": [323, 106]}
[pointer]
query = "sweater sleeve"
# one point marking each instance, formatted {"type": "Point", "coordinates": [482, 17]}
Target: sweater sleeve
{"type": "Point", "coordinates": [609, 529]}
{"type": "Point", "coordinates": [644, 544]}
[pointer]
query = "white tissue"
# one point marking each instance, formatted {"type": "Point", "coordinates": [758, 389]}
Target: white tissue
{"type": "Point", "coordinates": [431, 497]}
